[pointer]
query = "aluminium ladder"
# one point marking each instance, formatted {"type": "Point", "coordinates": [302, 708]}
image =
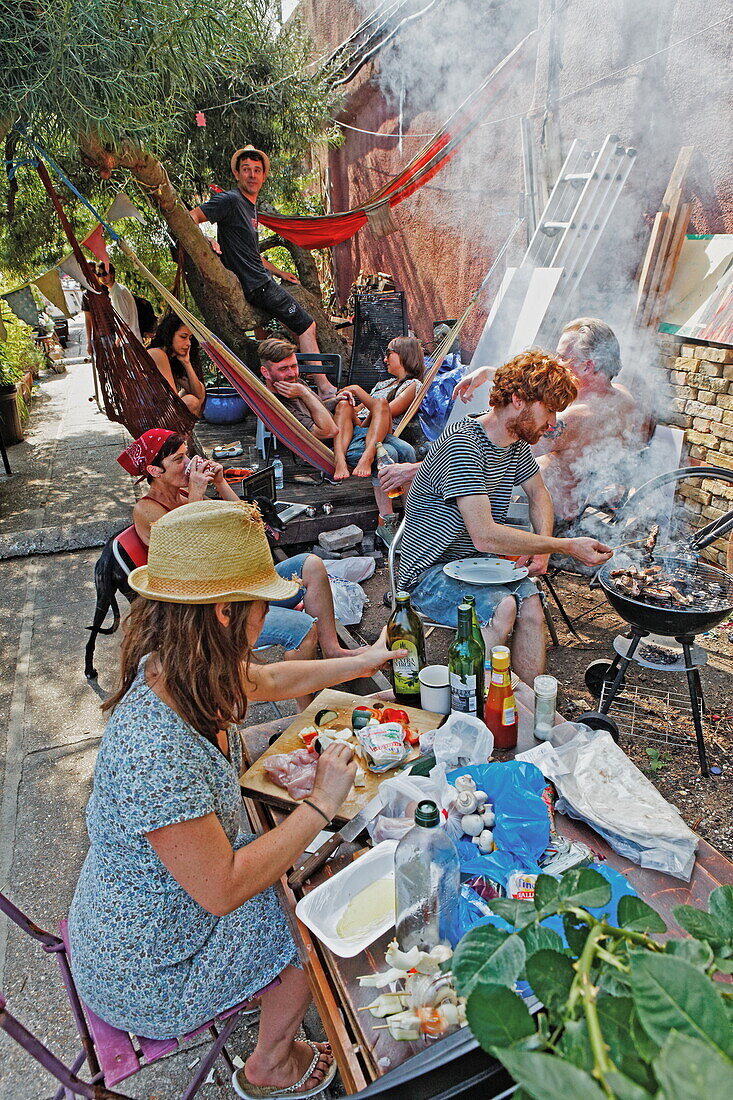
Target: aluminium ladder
{"type": "Point", "coordinates": [577, 211]}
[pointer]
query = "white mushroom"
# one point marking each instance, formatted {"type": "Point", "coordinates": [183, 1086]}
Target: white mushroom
{"type": "Point", "coordinates": [481, 797]}
{"type": "Point", "coordinates": [466, 802]}
{"type": "Point", "coordinates": [485, 841]}
{"type": "Point", "coordinates": [489, 818]}
{"type": "Point", "coordinates": [465, 783]}
{"type": "Point", "coordinates": [472, 824]}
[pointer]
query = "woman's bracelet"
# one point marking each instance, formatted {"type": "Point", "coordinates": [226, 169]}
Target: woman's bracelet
{"type": "Point", "coordinates": [307, 802]}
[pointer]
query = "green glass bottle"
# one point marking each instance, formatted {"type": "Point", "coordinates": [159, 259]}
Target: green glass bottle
{"type": "Point", "coordinates": [478, 636]}
{"type": "Point", "coordinates": [466, 667]}
{"type": "Point", "coordinates": [405, 631]}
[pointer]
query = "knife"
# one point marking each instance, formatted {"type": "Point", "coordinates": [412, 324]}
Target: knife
{"type": "Point", "coordinates": [346, 833]}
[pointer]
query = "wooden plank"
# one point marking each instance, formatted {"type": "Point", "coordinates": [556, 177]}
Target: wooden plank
{"type": "Point", "coordinates": [662, 235]}
{"type": "Point", "coordinates": [675, 247]}
{"type": "Point", "coordinates": [667, 234]}
{"type": "Point", "coordinates": [256, 783]}
{"type": "Point", "coordinates": [679, 174]}
{"type": "Point", "coordinates": [650, 259]}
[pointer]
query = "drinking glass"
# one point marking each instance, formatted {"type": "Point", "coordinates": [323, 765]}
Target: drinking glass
{"type": "Point", "coordinates": [254, 459]}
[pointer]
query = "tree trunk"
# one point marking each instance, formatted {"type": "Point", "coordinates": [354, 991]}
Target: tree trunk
{"type": "Point", "coordinates": [216, 290]}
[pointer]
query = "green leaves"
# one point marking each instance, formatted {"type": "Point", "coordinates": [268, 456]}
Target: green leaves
{"type": "Point", "coordinates": [498, 1017]}
{"type": "Point", "coordinates": [516, 913]}
{"type": "Point", "coordinates": [687, 1068]}
{"type": "Point", "coordinates": [672, 994]}
{"type": "Point", "coordinates": [627, 1020]}
{"type": "Point", "coordinates": [547, 1078]}
{"type": "Point", "coordinates": [487, 956]}
{"type": "Point", "coordinates": [584, 889]}
{"type": "Point", "coordinates": [637, 916]}
{"type": "Point", "coordinates": [550, 974]}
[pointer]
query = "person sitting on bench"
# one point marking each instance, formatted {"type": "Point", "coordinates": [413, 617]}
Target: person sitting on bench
{"type": "Point", "coordinates": [162, 458]}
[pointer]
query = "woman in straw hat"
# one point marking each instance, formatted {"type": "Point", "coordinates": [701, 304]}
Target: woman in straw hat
{"type": "Point", "coordinates": [174, 918]}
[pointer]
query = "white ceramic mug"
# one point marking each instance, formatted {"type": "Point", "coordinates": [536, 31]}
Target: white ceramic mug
{"type": "Point", "coordinates": [435, 689]}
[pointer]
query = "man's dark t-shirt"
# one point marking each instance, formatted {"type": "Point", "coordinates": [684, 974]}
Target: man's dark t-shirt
{"type": "Point", "coordinates": [236, 217]}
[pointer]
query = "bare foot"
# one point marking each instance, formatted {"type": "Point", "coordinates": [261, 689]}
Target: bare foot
{"type": "Point", "coordinates": [363, 467]}
{"type": "Point", "coordinates": [341, 472]}
{"type": "Point", "coordinates": [292, 1069]}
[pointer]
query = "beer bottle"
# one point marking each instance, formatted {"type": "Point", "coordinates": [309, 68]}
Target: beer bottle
{"type": "Point", "coordinates": [385, 459]}
{"type": "Point", "coordinates": [466, 667]}
{"type": "Point", "coordinates": [476, 628]}
{"type": "Point", "coordinates": [500, 713]}
{"type": "Point", "coordinates": [405, 631]}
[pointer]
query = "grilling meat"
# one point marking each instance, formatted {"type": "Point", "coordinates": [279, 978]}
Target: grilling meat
{"type": "Point", "coordinates": [651, 541]}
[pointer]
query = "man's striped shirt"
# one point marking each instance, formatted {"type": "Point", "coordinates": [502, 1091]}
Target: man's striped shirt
{"type": "Point", "coordinates": [462, 462]}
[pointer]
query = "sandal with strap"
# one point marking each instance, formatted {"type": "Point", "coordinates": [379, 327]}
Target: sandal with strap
{"type": "Point", "coordinates": [248, 1091]}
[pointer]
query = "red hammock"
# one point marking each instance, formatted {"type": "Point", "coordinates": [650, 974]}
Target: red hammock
{"type": "Point", "coordinates": [331, 229]}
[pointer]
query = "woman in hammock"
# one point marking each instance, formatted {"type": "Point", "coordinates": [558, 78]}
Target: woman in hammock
{"type": "Point", "coordinates": [373, 416]}
{"type": "Point", "coordinates": [175, 918]}
{"type": "Point", "coordinates": [175, 352]}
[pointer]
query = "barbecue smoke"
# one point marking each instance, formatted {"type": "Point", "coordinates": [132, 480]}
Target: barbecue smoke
{"type": "Point", "coordinates": [650, 71]}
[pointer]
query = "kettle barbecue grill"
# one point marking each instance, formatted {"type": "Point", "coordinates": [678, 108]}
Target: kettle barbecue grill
{"type": "Point", "coordinates": [706, 600]}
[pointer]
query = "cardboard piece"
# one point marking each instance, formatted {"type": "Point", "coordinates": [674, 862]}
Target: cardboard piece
{"type": "Point", "coordinates": [516, 316]}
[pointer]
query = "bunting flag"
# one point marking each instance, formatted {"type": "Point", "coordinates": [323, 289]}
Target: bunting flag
{"type": "Point", "coordinates": [95, 244]}
{"type": "Point", "coordinates": [52, 290]}
{"type": "Point", "coordinates": [71, 266]}
{"type": "Point", "coordinates": [23, 305]}
{"type": "Point", "coordinates": [122, 208]}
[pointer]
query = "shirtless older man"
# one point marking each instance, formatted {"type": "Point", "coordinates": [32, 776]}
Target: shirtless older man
{"type": "Point", "coordinates": [589, 448]}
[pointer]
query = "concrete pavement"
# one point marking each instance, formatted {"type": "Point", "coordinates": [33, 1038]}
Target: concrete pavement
{"type": "Point", "coordinates": [67, 491]}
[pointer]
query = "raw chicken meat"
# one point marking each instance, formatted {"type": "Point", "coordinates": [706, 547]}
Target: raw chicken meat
{"type": "Point", "coordinates": [295, 771]}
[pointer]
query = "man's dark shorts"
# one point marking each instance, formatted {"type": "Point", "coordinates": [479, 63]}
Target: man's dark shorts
{"type": "Point", "coordinates": [276, 301]}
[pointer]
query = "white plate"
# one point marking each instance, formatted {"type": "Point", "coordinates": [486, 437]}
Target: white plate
{"type": "Point", "coordinates": [322, 909]}
{"type": "Point", "coordinates": [485, 571]}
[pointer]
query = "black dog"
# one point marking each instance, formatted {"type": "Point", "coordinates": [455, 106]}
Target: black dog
{"type": "Point", "coordinates": [110, 578]}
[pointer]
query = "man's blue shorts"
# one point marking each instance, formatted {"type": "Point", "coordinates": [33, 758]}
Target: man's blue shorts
{"type": "Point", "coordinates": [395, 447]}
{"type": "Point", "coordinates": [437, 596]}
{"type": "Point", "coordinates": [284, 625]}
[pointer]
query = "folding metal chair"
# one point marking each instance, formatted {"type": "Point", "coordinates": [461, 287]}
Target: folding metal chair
{"type": "Point", "coordinates": [110, 1055]}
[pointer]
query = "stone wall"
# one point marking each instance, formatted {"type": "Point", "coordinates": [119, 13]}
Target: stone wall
{"type": "Point", "coordinates": [701, 381]}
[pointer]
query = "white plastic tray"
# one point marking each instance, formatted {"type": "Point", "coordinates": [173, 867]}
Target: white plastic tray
{"type": "Point", "coordinates": [322, 908]}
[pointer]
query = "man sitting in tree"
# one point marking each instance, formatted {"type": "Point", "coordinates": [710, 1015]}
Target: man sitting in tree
{"type": "Point", "coordinates": [235, 213]}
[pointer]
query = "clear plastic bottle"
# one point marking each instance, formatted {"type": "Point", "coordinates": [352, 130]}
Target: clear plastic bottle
{"type": "Point", "coordinates": [427, 881]}
{"type": "Point", "coordinates": [277, 466]}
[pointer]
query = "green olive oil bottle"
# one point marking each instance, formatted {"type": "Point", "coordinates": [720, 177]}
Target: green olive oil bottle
{"type": "Point", "coordinates": [405, 631]}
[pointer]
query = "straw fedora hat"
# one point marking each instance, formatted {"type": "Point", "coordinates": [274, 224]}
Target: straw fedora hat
{"type": "Point", "coordinates": [250, 149]}
{"type": "Point", "coordinates": [210, 551]}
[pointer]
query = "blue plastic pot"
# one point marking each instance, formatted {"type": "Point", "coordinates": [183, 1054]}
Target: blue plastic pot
{"type": "Point", "coordinates": [224, 406]}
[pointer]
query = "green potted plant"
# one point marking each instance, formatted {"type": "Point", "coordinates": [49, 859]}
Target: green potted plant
{"type": "Point", "coordinates": [18, 356]}
{"type": "Point", "coordinates": [624, 1016]}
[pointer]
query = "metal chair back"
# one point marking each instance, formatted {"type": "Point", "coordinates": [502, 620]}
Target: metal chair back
{"type": "Point", "coordinates": [328, 363]}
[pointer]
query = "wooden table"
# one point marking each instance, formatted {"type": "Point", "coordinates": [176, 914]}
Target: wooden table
{"type": "Point", "coordinates": [364, 1055]}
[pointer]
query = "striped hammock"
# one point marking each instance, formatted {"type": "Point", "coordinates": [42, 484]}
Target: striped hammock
{"type": "Point", "coordinates": [331, 229]}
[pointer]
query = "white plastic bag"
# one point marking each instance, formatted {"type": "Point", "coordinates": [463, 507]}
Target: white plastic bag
{"type": "Point", "coordinates": [597, 783]}
{"type": "Point", "coordinates": [349, 600]}
{"type": "Point", "coordinates": [351, 569]}
{"type": "Point", "coordinates": [399, 796]}
{"type": "Point", "coordinates": [463, 740]}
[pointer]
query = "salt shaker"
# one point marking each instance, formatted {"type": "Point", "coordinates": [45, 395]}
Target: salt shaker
{"type": "Point", "coordinates": [545, 704]}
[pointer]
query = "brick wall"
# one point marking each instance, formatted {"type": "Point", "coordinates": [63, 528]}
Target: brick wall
{"type": "Point", "coordinates": [701, 382]}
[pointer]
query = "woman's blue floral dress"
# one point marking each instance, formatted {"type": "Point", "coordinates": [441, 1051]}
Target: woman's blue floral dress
{"type": "Point", "coordinates": [146, 957]}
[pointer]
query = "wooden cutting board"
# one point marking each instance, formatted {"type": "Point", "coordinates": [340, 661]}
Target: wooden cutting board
{"type": "Point", "coordinates": [257, 784]}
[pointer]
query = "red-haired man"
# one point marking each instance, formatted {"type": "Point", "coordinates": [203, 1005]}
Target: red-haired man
{"type": "Point", "coordinates": [458, 502]}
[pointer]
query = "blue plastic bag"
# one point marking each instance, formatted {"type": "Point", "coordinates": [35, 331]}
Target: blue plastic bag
{"type": "Point", "coordinates": [522, 830]}
{"type": "Point", "coordinates": [438, 401]}
{"type": "Point", "coordinates": [472, 910]}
